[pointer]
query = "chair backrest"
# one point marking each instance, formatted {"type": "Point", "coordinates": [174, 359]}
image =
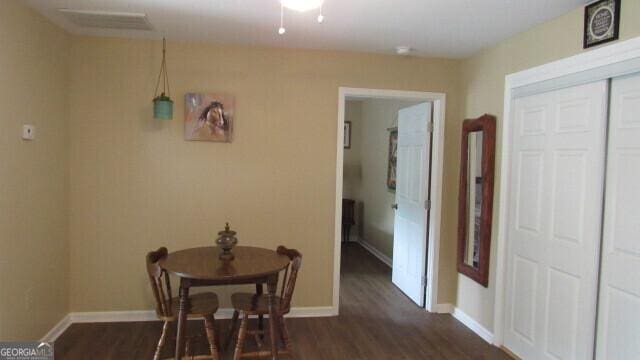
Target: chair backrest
{"type": "Point", "coordinates": [160, 283]}
{"type": "Point", "coordinates": [290, 276]}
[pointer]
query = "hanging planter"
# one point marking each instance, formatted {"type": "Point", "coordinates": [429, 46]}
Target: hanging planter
{"type": "Point", "coordinates": [162, 104]}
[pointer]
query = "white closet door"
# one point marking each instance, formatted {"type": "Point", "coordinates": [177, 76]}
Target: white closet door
{"type": "Point", "coordinates": [619, 304]}
{"type": "Point", "coordinates": [554, 225]}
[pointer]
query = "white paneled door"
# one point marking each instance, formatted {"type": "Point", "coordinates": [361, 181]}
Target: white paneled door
{"type": "Point", "coordinates": [410, 224]}
{"type": "Point", "coordinates": [554, 224]}
{"type": "Point", "coordinates": [619, 302]}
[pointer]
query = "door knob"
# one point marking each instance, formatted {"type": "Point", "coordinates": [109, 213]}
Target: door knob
{"type": "Point", "coordinates": [394, 206]}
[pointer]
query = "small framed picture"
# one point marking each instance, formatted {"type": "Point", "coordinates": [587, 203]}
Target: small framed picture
{"type": "Point", "coordinates": [347, 134]}
{"type": "Point", "coordinates": [601, 22]}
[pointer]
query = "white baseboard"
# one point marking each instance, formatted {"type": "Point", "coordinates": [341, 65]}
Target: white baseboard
{"type": "Point", "coordinates": [472, 324]}
{"type": "Point", "coordinates": [150, 315]}
{"type": "Point", "coordinates": [444, 308]}
{"type": "Point", "coordinates": [113, 316]}
{"type": "Point", "coordinates": [311, 311]}
{"type": "Point", "coordinates": [375, 252]}
{"type": "Point", "coordinates": [57, 329]}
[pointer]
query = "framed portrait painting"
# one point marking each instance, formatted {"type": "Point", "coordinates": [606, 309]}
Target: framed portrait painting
{"type": "Point", "coordinates": [347, 135]}
{"type": "Point", "coordinates": [393, 159]}
{"type": "Point", "coordinates": [209, 117]}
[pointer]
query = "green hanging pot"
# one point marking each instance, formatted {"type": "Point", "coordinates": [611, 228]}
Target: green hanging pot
{"type": "Point", "coordinates": [162, 104]}
{"type": "Point", "coordinates": [163, 107]}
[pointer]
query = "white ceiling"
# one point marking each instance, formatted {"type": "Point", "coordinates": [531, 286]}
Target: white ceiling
{"type": "Point", "coordinates": [441, 28]}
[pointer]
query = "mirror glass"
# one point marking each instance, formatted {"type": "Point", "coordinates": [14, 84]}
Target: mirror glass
{"type": "Point", "coordinates": [474, 199]}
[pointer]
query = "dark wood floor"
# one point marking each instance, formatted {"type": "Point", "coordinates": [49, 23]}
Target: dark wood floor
{"type": "Point", "coordinates": [376, 322]}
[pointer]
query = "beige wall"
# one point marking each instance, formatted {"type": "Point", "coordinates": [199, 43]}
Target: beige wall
{"type": "Point", "coordinates": [136, 184]}
{"type": "Point", "coordinates": [483, 79]}
{"type": "Point", "coordinates": [33, 174]}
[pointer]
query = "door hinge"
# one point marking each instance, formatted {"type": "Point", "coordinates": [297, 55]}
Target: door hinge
{"type": "Point", "coordinates": [430, 126]}
{"type": "Point", "coordinates": [424, 280]}
{"type": "Point", "coordinates": [427, 204]}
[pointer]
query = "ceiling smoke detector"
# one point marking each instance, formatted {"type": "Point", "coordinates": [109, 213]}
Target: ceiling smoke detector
{"type": "Point", "coordinates": [403, 50]}
{"type": "Point", "coordinates": [107, 19]}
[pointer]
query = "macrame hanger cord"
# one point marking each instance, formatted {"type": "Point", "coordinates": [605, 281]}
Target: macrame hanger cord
{"type": "Point", "coordinates": [163, 70]}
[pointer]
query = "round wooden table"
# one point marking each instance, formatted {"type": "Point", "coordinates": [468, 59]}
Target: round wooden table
{"type": "Point", "coordinates": [202, 267]}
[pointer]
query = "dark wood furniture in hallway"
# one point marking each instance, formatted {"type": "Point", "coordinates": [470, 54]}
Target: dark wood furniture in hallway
{"type": "Point", "coordinates": [376, 322]}
{"type": "Point", "coordinates": [348, 218]}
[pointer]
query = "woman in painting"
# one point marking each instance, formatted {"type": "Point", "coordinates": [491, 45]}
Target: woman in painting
{"type": "Point", "coordinates": [213, 121]}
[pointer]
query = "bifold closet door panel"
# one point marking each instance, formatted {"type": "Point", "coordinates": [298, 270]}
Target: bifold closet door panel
{"type": "Point", "coordinates": [554, 223]}
{"type": "Point", "coordinates": [619, 303]}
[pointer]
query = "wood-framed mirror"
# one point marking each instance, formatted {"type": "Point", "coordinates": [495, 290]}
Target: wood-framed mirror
{"type": "Point", "coordinates": [475, 202]}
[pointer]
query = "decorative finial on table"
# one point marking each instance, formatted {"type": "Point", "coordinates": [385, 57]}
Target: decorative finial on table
{"type": "Point", "coordinates": [226, 241]}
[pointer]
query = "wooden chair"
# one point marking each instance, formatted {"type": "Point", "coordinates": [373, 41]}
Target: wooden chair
{"type": "Point", "coordinates": [203, 305]}
{"type": "Point", "coordinates": [258, 305]}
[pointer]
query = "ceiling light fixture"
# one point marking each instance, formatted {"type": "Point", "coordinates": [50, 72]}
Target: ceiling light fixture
{"type": "Point", "coordinates": [282, 30]}
{"type": "Point", "coordinates": [300, 6]}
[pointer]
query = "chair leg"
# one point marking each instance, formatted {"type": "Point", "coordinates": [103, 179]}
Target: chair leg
{"type": "Point", "coordinates": [163, 337]}
{"type": "Point", "coordinates": [209, 326]}
{"type": "Point", "coordinates": [187, 348]}
{"type": "Point", "coordinates": [232, 329]}
{"type": "Point", "coordinates": [261, 325]}
{"type": "Point", "coordinates": [241, 334]}
{"type": "Point", "coordinates": [284, 335]}
{"type": "Point", "coordinates": [217, 340]}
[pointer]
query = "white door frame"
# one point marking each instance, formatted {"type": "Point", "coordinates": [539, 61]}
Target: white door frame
{"type": "Point", "coordinates": [606, 62]}
{"type": "Point", "coordinates": [433, 241]}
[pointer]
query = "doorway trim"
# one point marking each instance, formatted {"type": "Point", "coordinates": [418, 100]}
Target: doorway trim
{"type": "Point", "coordinates": [614, 60]}
{"type": "Point", "coordinates": [434, 217]}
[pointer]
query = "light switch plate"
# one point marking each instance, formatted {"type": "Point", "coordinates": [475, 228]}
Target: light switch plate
{"type": "Point", "coordinates": [28, 132]}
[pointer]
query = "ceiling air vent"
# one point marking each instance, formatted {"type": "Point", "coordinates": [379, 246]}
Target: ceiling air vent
{"type": "Point", "coordinates": [107, 19]}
